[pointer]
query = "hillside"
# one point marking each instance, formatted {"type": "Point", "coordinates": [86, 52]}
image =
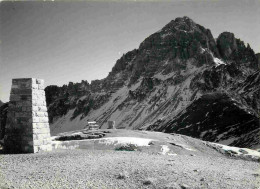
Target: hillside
{"type": "Point", "coordinates": [154, 85]}
{"type": "Point", "coordinates": [180, 79]}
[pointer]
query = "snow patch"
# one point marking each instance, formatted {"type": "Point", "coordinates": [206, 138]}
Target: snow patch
{"type": "Point", "coordinates": [164, 77]}
{"type": "Point", "coordinates": [202, 50]}
{"type": "Point", "coordinates": [218, 61]}
{"type": "Point", "coordinates": [126, 140]}
{"type": "Point", "coordinates": [228, 141]}
{"type": "Point", "coordinates": [165, 149]}
{"type": "Point", "coordinates": [172, 154]}
{"type": "Point", "coordinates": [202, 134]}
{"type": "Point", "coordinates": [165, 35]}
{"type": "Point", "coordinates": [238, 151]}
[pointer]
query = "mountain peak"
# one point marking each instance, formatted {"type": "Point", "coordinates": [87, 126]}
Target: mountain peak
{"type": "Point", "coordinates": [180, 40]}
{"type": "Point", "coordinates": [183, 19]}
{"type": "Point", "coordinates": [180, 23]}
{"type": "Point", "coordinates": [233, 49]}
{"type": "Point", "coordinates": [162, 84]}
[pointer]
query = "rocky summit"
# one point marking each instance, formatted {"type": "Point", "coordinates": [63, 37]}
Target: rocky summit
{"type": "Point", "coordinates": [180, 79]}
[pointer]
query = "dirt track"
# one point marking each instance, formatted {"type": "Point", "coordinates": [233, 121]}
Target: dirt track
{"type": "Point", "coordinates": [122, 169]}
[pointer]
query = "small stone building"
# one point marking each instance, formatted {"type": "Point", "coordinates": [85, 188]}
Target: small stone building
{"type": "Point", "coordinates": [92, 125]}
{"type": "Point", "coordinates": [111, 124]}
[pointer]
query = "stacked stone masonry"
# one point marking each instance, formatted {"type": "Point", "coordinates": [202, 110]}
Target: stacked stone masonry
{"type": "Point", "coordinates": [27, 128]}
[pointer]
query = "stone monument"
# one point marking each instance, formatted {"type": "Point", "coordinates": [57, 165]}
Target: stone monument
{"type": "Point", "coordinates": [27, 128]}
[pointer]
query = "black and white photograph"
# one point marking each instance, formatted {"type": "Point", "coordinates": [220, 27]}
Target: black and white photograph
{"type": "Point", "coordinates": [130, 94]}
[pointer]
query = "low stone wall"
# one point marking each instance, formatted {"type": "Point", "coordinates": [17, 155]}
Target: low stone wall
{"type": "Point", "coordinates": [27, 127]}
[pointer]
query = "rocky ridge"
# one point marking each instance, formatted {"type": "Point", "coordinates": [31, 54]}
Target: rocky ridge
{"type": "Point", "coordinates": [174, 71]}
{"type": "Point", "coordinates": [177, 69]}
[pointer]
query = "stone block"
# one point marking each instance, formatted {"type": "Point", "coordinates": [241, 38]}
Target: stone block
{"type": "Point", "coordinates": [43, 119]}
{"type": "Point", "coordinates": [38, 92]}
{"type": "Point", "coordinates": [39, 98]}
{"type": "Point", "coordinates": [40, 125]}
{"type": "Point", "coordinates": [38, 103]}
{"type": "Point", "coordinates": [27, 142]}
{"type": "Point", "coordinates": [34, 98]}
{"type": "Point", "coordinates": [40, 136]}
{"type": "Point", "coordinates": [35, 119]}
{"type": "Point", "coordinates": [14, 86]}
{"type": "Point", "coordinates": [22, 83]}
{"type": "Point", "coordinates": [38, 142]}
{"type": "Point", "coordinates": [33, 80]}
{"type": "Point", "coordinates": [21, 91]}
{"type": "Point", "coordinates": [15, 97]}
{"type": "Point", "coordinates": [45, 148]}
{"type": "Point", "coordinates": [36, 148]}
{"type": "Point", "coordinates": [13, 103]}
{"type": "Point", "coordinates": [18, 109]}
{"type": "Point", "coordinates": [26, 97]}
{"type": "Point", "coordinates": [40, 81]}
{"type": "Point", "coordinates": [46, 142]}
{"type": "Point", "coordinates": [26, 109]}
{"type": "Point", "coordinates": [23, 114]}
{"type": "Point", "coordinates": [35, 108]}
{"type": "Point", "coordinates": [34, 86]}
{"type": "Point", "coordinates": [28, 133]}
{"type": "Point", "coordinates": [27, 103]}
{"type": "Point", "coordinates": [23, 120]}
{"type": "Point", "coordinates": [37, 136]}
{"type": "Point", "coordinates": [28, 149]}
{"type": "Point", "coordinates": [41, 87]}
{"type": "Point", "coordinates": [41, 130]}
{"type": "Point", "coordinates": [22, 80]}
{"type": "Point", "coordinates": [42, 109]}
{"type": "Point", "coordinates": [14, 91]}
{"type": "Point", "coordinates": [10, 115]}
{"type": "Point", "coordinates": [38, 114]}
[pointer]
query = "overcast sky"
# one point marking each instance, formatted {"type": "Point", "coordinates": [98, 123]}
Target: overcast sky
{"type": "Point", "coordinates": [73, 41]}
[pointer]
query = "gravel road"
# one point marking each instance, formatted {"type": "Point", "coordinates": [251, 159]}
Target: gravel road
{"type": "Point", "coordinates": [83, 168]}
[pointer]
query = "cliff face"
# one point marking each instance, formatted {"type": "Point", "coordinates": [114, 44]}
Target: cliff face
{"type": "Point", "coordinates": [180, 79]}
{"type": "Point", "coordinates": [258, 59]}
